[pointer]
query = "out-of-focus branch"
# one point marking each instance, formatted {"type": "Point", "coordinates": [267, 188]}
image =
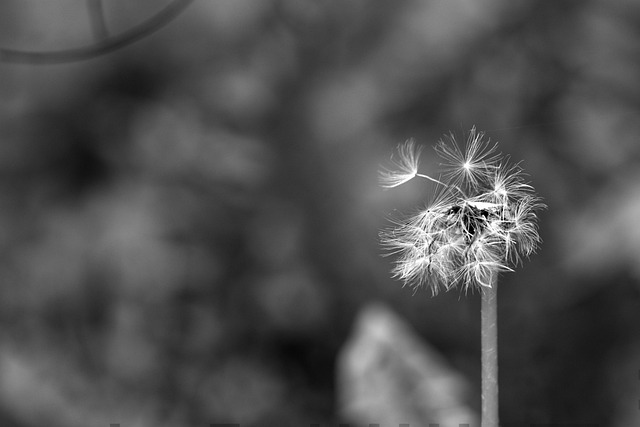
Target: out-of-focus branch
{"type": "Point", "coordinates": [103, 47]}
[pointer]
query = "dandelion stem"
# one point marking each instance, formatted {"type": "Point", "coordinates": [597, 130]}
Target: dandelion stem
{"type": "Point", "coordinates": [489, 344]}
{"type": "Point", "coordinates": [481, 223]}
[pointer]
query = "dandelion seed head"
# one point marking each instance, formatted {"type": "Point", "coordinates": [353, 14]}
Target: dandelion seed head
{"type": "Point", "coordinates": [482, 220]}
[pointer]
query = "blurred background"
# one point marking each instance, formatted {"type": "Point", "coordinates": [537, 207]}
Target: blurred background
{"type": "Point", "coordinates": [189, 225]}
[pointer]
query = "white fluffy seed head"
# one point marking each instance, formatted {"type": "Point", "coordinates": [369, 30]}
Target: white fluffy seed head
{"type": "Point", "coordinates": [482, 221]}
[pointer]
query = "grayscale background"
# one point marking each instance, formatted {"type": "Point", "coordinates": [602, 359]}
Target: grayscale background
{"type": "Point", "coordinates": [189, 224]}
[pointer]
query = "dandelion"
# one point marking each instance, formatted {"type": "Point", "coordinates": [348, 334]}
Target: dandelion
{"type": "Point", "coordinates": [483, 221]}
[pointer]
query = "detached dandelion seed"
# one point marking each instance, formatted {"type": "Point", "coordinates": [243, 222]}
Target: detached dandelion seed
{"type": "Point", "coordinates": [404, 167]}
{"type": "Point", "coordinates": [483, 221]}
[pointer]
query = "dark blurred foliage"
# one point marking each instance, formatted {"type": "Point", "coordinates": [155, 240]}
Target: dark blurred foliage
{"type": "Point", "coordinates": [189, 226]}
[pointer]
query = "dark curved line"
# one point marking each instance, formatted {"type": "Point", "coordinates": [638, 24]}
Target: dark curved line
{"type": "Point", "coordinates": [103, 47]}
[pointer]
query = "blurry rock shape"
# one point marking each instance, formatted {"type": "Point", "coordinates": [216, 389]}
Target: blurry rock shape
{"type": "Point", "coordinates": [388, 376]}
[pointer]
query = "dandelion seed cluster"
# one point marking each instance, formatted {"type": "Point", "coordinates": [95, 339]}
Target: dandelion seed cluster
{"type": "Point", "coordinates": [481, 221]}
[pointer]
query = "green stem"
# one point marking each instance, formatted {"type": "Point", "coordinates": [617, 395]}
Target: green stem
{"type": "Point", "coordinates": [489, 344]}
